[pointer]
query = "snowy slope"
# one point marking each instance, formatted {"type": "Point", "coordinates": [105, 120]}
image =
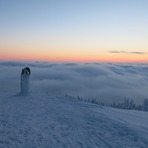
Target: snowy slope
{"type": "Point", "coordinates": [44, 121]}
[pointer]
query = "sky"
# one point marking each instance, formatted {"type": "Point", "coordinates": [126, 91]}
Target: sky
{"type": "Point", "coordinates": [105, 82]}
{"type": "Point", "coordinates": [74, 30]}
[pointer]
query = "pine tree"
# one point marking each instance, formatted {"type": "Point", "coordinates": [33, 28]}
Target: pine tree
{"type": "Point", "coordinates": [145, 105]}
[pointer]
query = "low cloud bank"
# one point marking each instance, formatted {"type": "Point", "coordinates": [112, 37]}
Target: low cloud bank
{"type": "Point", "coordinates": [105, 82]}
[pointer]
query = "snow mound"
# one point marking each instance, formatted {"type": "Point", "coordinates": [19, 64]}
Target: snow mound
{"type": "Point", "coordinates": [45, 121]}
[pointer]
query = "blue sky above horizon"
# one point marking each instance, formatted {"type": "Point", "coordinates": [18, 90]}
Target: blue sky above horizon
{"type": "Point", "coordinates": [72, 30]}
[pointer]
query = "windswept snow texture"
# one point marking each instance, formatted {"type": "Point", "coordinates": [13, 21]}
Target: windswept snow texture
{"type": "Point", "coordinates": [46, 121]}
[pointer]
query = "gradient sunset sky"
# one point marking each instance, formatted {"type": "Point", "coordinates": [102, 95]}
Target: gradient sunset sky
{"type": "Point", "coordinates": [74, 30]}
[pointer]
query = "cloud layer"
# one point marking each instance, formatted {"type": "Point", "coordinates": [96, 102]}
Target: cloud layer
{"type": "Point", "coordinates": [105, 82]}
{"type": "Point", "coordinates": [126, 52]}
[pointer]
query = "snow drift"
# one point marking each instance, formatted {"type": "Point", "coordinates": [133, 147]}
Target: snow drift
{"type": "Point", "coordinates": [43, 120]}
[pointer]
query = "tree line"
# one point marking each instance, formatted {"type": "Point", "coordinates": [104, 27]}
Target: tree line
{"type": "Point", "coordinates": [126, 104]}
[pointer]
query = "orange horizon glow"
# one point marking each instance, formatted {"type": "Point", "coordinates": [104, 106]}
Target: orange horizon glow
{"type": "Point", "coordinates": [75, 57]}
{"type": "Point", "coordinates": [68, 55]}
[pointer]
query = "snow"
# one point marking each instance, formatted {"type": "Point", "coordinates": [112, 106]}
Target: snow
{"type": "Point", "coordinates": [47, 121]}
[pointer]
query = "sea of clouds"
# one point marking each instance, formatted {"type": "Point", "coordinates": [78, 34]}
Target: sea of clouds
{"type": "Point", "coordinates": [106, 82]}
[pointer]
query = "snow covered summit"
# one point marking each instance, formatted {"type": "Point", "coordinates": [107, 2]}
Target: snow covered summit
{"type": "Point", "coordinates": [44, 121]}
